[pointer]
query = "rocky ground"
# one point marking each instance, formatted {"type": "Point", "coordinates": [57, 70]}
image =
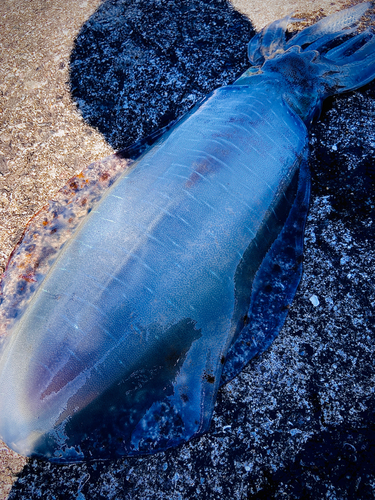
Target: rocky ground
{"type": "Point", "coordinates": [298, 422]}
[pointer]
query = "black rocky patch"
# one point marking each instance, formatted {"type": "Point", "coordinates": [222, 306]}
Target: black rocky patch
{"type": "Point", "coordinates": [137, 65]}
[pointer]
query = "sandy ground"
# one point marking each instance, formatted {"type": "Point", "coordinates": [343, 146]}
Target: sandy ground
{"type": "Point", "coordinates": [261, 14]}
{"type": "Point", "coordinates": [43, 139]}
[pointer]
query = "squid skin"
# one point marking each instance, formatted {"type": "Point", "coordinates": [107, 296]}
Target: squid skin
{"type": "Point", "coordinates": [182, 271]}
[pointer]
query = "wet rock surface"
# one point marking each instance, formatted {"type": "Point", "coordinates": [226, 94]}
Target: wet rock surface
{"type": "Point", "coordinates": [298, 422]}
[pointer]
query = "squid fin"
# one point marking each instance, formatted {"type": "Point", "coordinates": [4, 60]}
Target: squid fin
{"type": "Point", "coordinates": [274, 285]}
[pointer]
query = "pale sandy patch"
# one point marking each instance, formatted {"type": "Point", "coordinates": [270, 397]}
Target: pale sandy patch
{"type": "Point", "coordinates": [262, 13]}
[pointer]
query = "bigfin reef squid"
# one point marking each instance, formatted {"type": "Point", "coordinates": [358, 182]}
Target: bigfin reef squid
{"type": "Point", "coordinates": [155, 275]}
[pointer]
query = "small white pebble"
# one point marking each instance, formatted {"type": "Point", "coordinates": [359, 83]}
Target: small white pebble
{"type": "Point", "coordinates": [334, 147]}
{"type": "Point", "coordinates": [314, 300]}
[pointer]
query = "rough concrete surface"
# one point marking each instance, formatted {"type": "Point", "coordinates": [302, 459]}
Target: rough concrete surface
{"type": "Point", "coordinates": [298, 422]}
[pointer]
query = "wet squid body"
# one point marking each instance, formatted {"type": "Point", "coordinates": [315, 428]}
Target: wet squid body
{"type": "Point", "coordinates": [117, 336]}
